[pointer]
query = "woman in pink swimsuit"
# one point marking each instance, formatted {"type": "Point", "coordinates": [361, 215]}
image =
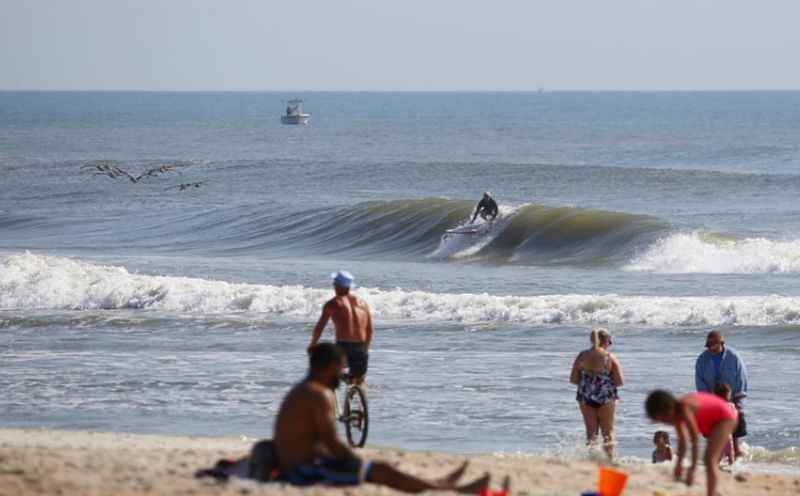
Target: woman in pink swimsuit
{"type": "Point", "coordinates": [695, 413]}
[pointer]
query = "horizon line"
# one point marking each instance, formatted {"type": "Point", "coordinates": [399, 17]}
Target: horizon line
{"type": "Point", "coordinates": [537, 90]}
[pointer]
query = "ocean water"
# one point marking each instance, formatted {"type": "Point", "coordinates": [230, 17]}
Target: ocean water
{"type": "Point", "coordinates": [145, 308]}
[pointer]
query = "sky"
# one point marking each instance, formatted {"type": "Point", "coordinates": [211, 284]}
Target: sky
{"type": "Point", "coordinates": [405, 45]}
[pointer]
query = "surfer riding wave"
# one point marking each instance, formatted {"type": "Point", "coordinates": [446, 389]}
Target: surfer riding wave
{"type": "Point", "coordinates": [486, 208]}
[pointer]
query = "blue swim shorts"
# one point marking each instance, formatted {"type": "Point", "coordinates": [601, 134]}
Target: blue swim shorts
{"type": "Point", "coordinates": [330, 471]}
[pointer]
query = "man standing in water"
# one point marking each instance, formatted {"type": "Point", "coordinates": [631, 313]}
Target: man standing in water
{"type": "Point", "coordinates": [309, 451]}
{"type": "Point", "coordinates": [720, 364]}
{"type": "Point", "coordinates": [486, 208]}
{"type": "Point", "coordinates": [353, 322]}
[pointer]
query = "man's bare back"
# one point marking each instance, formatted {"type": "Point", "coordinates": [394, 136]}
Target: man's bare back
{"type": "Point", "coordinates": [352, 319]}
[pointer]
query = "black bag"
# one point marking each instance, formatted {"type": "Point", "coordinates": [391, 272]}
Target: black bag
{"type": "Point", "coordinates": [261, 465]}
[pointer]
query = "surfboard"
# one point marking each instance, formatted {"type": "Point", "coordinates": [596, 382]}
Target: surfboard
{"type": "Point", "coordinates": [469, 229]}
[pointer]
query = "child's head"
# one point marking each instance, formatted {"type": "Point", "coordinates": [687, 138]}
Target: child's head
{"type": "Point", "coordinates": [661, 438]}
{"type": "Point", "coordinates": [723, 391]}
{"type": "Point", "coordinates": [661, 406]}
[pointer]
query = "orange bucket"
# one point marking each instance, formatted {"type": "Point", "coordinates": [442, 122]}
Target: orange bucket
{"type": "Point", "coordinates": [611, 482]}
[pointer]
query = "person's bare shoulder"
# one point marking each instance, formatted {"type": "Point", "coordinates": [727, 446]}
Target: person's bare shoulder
{"type": "Point", "coordinates": [299, 390]}
{"type": "Point", "coordinates": [315, 389]}
{"type": "Point", "coordinates": [361, 303]}
{"type": "Point", "coordinates": [295, 396]}
{"type": "Point", "coordinates": [321, 396]}
{"type": "Point", "coordinates": [310, 392]}
{"type": "Point", "coordinates": [332, 304]}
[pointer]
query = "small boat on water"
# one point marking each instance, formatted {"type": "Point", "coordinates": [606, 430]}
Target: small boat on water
{"type": "Point", "coordinates": [294, 113]}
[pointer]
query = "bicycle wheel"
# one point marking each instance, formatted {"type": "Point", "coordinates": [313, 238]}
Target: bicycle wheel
{"type": "Point", "coordinates": [356, 417]}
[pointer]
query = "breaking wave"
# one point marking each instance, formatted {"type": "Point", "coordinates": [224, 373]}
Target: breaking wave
{"type": "Point", "coordinates": [698, 252]}
{"type": "Point", "coordinates": [37, 282]}
{"type": "Point", "coordinates": [527, 234]}
{"type": "Point", "coordinates": [415, 229]}
{"type": "Point", "coordinates": [406, 229]}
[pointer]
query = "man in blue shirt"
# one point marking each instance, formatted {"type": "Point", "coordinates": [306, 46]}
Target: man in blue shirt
{"type": "Point", "coordinates": [722, 364]}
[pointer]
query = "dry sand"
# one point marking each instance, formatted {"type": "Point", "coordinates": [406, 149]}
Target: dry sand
{"type": "Point", "coordinates": [85, 463]}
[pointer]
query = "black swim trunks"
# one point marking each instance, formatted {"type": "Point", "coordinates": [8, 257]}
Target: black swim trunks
{"type": "Point", "coordinates": [741, 427]}
{"type": "Point", "coordinates": [593, 404]}
{"type": "Point", "coordinates": [357, 357]}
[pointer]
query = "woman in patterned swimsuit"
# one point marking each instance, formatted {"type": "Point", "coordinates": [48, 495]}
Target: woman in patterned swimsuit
{"type": "Point", "coordinates": [598, 374]}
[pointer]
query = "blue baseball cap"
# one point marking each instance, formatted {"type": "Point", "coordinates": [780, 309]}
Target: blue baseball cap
{"type": "Point", "coordinates": [343, 279]}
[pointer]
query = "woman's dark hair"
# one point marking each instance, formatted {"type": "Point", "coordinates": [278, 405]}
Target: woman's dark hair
{"type": "Point", "coordinates": [660, 403]}
{"type": "Point", "coordinates": [322, 355]}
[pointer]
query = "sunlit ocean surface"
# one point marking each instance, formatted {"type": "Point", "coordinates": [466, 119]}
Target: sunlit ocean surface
{"type": "Point", "coordinates": [145, 307]}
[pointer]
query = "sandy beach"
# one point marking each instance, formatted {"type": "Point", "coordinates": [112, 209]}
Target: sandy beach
{"type": "Point", "coordinates": [52, 462]}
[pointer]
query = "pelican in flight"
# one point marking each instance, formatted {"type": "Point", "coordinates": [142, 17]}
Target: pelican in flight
{"type": "Point", "coordinates": [155, 171]}
{"type": "Point", "coordinates": [184, 186]}
{"type": "Point", "coordinates": [106, 168]}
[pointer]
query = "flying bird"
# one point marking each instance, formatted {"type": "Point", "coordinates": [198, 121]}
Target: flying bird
{"type": "Point", "coordinates": [184, 186]}
{"type": "Point", "coordinates": [101, 166]}
{"type": "Point", "coordinates": [155, 171]}
{"type": "Point", "coordinates": [105, 168]}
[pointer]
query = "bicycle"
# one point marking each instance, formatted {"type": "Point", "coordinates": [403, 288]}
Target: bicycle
{"type": "Point", "coordinates": [355, 415]}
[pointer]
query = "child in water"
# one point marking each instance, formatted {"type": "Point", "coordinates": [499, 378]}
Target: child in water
{"type": "Point", "coordinates": [663, 451]}
{"type": "Point", "coordinates": [724, 391]}
{"type": "Point", "coordinates": [695, 413]}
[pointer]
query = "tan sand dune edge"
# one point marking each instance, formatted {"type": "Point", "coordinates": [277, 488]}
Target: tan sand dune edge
{"type": "Point", "coordinates": [88, 463]}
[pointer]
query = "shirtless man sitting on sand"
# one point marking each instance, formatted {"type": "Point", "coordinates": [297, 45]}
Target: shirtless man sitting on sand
{"type": "Point", "coordinates": [353, 322]}
{"type": "Point", "coordinates": [309, 451]}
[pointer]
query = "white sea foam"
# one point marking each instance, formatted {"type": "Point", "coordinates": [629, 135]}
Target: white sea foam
{"type": "Point", "coordinates": [756, 458]}
{"type": "Point", "coordinates": [695, 252]}
{"type": "Point", "coordinates": [787, 456]}
{"type": "Point", "coordinates": [29, 281]}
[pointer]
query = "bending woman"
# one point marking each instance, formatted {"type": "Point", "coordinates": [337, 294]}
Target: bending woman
{"type": "Point", "coordinates": [598, 374]}
{"type": "Point", "coordinates": [697, 412]}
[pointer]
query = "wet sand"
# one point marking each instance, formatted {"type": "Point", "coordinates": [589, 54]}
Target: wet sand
{"type": "Point", "coordinates": [48, 462]}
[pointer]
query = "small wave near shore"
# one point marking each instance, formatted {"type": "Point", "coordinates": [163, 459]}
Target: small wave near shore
{"type": "Point", "coordinates": [39, 282]}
